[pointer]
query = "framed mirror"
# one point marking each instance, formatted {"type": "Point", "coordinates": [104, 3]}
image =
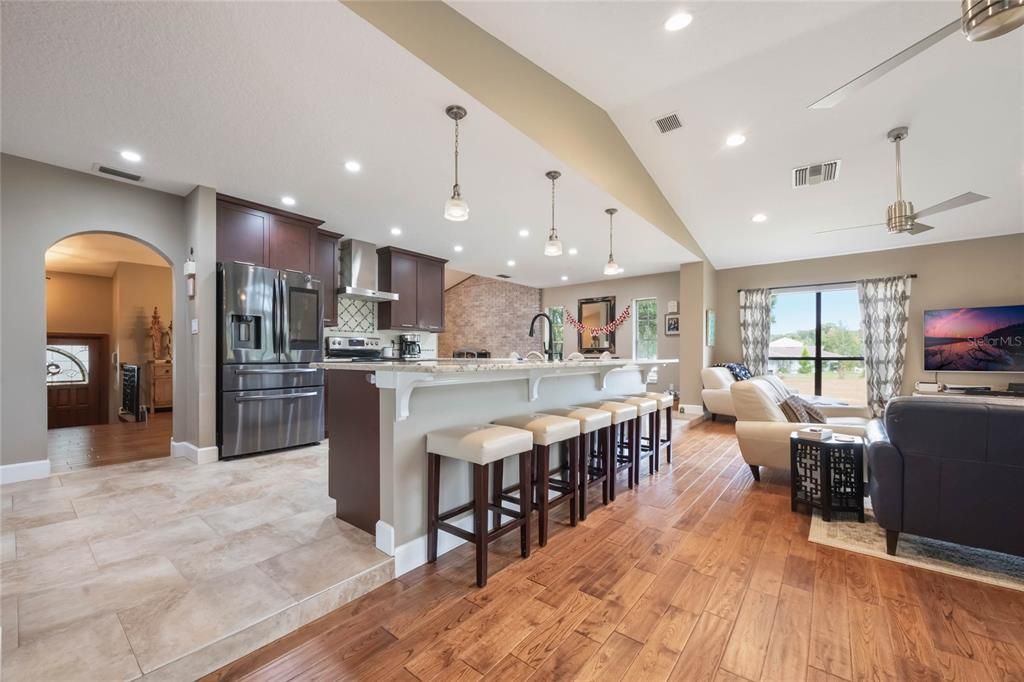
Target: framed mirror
{"type": "Point", "coordinates": [596, 312]}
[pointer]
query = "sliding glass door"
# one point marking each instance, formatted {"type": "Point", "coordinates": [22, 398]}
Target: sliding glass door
{"type": "Point", "coordinates": [816, 343]}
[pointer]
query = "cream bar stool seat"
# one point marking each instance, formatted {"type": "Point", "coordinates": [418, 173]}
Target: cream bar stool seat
{"type": "Point", "coordinates": [547, 430]}
{"type": "Point", "coordinates": [624, 418]}
{"type": "Point", "coordinates": [482, 446]}
{"type": "Point", "coordinates": [645, 407]}
{"type": "Point", "coordinates": [665, 402]}
{"type": "Point", "coordinates": [595, 459]}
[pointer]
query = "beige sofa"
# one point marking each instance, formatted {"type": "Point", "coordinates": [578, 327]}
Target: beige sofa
{"type": "Point", "coordinates": [716, 394]}
{"type": "Point", "coordinates": [763, 430]}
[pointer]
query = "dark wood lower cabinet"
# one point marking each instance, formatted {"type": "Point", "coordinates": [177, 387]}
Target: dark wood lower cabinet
{"type": "Point", "coordinates": [353, 469]}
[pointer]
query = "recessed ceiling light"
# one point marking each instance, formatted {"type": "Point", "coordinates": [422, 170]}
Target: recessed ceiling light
{"type": "Point", "coordinates": [511, 263]}
{"type": "Point", "coordinates": [288, 201]}
{"type": "Point", "coordinates": [353, 166]}
{"type": "Point", "coordinates": [396, 231]}
{"type": "Point", "coordinates": [524, 232]}
{"type": "Point", "coordinates": [759, 217]}
{"type": "Point", "coordinates": [678, 21]}
{"type": "Point", "coordinates": [573, 251]}
{"type": "Point", "coordinates": [565, 278]}
{"type": "Point", "coordinates": [129, 155]}
{"type": "Point", "coordinates": [458, 248]}
{"type": "Point", "coordinates": [736, 139]}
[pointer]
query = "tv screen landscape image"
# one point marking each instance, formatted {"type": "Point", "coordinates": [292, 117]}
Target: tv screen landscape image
{"type": "Point", "coordinates": [987, 339]}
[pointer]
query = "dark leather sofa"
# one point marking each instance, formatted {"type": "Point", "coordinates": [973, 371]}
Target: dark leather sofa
{"type": "Point", "coordinates": [949, 469]}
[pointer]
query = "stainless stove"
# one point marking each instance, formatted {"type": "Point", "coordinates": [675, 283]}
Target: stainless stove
{"type": "Point", "coordinates": [356, 349]}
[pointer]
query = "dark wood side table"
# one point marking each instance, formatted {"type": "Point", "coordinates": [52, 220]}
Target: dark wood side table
{"type": "Point", "coordinates": [827, 474]}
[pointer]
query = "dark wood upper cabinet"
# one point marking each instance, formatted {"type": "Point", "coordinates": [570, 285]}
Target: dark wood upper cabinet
{"type": "Point", "coordinates": [325, 268]}
{"type": "Point", "coordinates": [418, 280]}
{"type": "Point", "coordinates": [263, 235]}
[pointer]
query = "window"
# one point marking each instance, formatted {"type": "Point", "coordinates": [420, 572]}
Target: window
{"type": "Point", "coordinates": [816, 344]}
{"type": "Point", "coordinates": [645, 328]}
{"type": "Point", "coordinates": [67, 364]}
{"type": "Point", "coordinates": [557, 315]}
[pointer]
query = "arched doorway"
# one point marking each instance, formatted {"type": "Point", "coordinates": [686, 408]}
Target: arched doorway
{"type": "Point", "coordinates": [109, 351]}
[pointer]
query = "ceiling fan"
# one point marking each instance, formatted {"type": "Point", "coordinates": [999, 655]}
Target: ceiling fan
{"type": "Point", "coordinates": [980, 20]}
{"type": "Point", "coordinates": [900, 217]}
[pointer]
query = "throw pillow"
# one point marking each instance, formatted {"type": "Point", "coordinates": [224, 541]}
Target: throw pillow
{"type": "Point", "coordinates": [799, 411]}
{"type": "Point", "coordinates": [739, 371]}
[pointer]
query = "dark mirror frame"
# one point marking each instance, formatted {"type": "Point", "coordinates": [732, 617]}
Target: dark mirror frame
{"type": "Point", "coordinates": [609, 302]}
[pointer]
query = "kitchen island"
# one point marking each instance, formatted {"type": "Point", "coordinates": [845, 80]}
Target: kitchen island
{"type": "Point", "coordinates": [380, 413]}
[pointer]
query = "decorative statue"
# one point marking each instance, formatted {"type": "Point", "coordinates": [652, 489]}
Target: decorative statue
{"type": "Point", "coordinates": [170, 340]}
{"type": "Point", "coordinates": [156, 334]}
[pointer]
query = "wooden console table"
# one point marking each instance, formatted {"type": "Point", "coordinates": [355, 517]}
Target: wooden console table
{"type": "Point", "coordinates": [161, 384]}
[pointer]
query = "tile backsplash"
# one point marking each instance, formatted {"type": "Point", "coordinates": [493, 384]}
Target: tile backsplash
{"type": "Point", "coordinates": [359, 318]}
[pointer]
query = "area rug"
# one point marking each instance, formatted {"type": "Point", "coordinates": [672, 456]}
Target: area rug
{"type": "Point", "coordinates": [844, 532]}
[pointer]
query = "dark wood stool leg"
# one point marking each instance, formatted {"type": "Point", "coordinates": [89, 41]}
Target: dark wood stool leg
{"type": "Point", "coordinates": [668, 428]}
{"type": "Point", "coordinates": [610, 460]}
{"type": "Point", "coordinates": [634, 446]}
{"type": "Point", "coordinates": [525, 502]}
{"type": "Point", "coordinates": [584, 473]}
{"type": "Point", "coordinates": [656, 440]}
{"type": "Point", "coordinates": [609, 477]}
{"type": "Point", "coordinates": [433, 502]}
{"type": "Point", "coordinates": [574, 479]}
{"type": "Point", "coordinates": [497, 485]}
{"type": "Point", "coordinates": [542, 465]}
{"type": "Point", "coordinates": [480, 521]}
{"type": "Point", "coordinates": [652, 459]}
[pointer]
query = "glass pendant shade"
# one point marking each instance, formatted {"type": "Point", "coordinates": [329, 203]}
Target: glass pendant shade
{"type": "Point", "coordinates": [553, 246]}
{"type": "Point", "coordinates": [455, 209]}
{"type": "Point", "coordinates": [611, 268]}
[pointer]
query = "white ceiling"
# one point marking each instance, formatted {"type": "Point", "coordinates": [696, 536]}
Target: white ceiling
{"type": "Point", "coordinates": [754, 67]}
{"type": "Point", "coordinates": [98, 254]}
{"type": "Point", "coordinates": [261, 100]}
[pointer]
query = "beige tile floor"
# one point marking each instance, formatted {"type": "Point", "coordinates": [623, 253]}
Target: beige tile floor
{"type": "Point", "coordinates": [166, 570]}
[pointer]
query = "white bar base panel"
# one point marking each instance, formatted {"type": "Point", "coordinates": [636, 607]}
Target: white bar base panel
{"type": "Point", "coordinates": [196, 455]}
{"type": "Point", "coordinates": [691, 409]}
{"type": "Point", "coordinates": [413, 554]}
{"type": "Point", "coordinates": [24, 471]}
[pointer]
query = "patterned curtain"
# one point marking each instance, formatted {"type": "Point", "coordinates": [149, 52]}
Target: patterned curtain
{"type": "Point", "coordinates": [884, 311]}
{"type": "Point", "coordinates": [755, 328]}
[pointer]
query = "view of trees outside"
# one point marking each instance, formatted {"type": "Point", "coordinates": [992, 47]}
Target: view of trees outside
{"type": "Point", "coordinates": [793, 343]}
{"type": "Point", "coordinates": [557, 315]}
{"type": "Point", "coordinates": [645, 338]}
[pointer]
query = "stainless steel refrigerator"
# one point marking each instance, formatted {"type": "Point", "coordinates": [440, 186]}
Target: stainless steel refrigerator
{"type": "Point", "coordinates": [271, 328]}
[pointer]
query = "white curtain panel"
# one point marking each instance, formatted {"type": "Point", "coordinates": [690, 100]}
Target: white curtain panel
{"type": "Point", "coordinates": [884, 313]}
{"type": "Point", "coordinates": [755, 328]}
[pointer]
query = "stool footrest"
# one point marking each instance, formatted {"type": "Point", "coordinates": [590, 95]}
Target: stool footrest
{"type": "Point", "coordinates": [455, 512]}
{"type": "Point", "coordinates": [456, 531]}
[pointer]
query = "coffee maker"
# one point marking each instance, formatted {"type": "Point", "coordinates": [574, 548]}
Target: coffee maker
{"type": "Point", "coordinates": [409, 346]}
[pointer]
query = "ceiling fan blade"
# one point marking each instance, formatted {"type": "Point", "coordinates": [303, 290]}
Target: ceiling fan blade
{"type": "Point", "coordinates": [948, 204]}
{"type": "Point", "coordinates": [838, 95]}
{"type": "Point", "coordinates": [918, 228]}
{"type": "Point", "coordinates": [855, 227]}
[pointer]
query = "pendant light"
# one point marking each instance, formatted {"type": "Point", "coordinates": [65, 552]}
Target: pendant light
{"type": "Point", "coordinates": [611, 267]}
{"type": "Point", "coordinates": [456, 209]}
{"type": "Point", "coordinates": [553, 246]}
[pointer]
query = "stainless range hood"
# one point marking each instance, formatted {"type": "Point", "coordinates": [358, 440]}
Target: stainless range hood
{"type": "Point", "coordinates": [359, 272]}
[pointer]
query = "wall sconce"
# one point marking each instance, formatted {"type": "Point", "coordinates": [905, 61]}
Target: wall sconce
{"type": "Point", "coordinates": [190, 275]}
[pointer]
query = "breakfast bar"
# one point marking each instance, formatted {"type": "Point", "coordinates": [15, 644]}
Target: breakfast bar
{"type": "Point", "coordinates": [379, 413]}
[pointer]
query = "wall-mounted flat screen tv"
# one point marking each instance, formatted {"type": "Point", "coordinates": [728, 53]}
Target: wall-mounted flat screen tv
{"type": "Point", "coordinates": [987, 339]}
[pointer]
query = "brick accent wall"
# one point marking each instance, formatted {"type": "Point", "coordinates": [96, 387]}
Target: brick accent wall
{"type": "Point", "coordinates": [481, 312]}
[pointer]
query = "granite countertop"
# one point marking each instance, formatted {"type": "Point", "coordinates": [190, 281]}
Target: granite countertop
{"type": "Point", "coordinates": [450, 365]}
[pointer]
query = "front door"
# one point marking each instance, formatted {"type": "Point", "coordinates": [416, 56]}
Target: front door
{"type": "Point", "coordinates": [75, 381]}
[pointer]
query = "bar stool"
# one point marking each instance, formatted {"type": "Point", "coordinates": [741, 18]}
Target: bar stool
{"type": "Point", "coordinates": [664, 403]}
{"type": "Point", "coordinates": [481, 446]}
{"type": "Point", "coordinates": [547, 430]}
{"type": "Point", "coordinates": [595, 425]}
{"type": "Point", "coordinates": [624, 418]}
{"type": "Point", "coordinates": [645, 407]}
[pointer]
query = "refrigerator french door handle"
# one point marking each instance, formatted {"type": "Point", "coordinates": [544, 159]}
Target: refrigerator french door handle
{"type": "Point", "coordinates": [285, 317]}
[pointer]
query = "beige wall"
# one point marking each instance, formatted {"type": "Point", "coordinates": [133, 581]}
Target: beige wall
{"type": "Point", "coordinates": [492, 314]}
{"type": "Point", "coordinates": [664, 287]}
{"type": "Point", "coordinates": [42, 204]}
{"type": "Point", "coordinates": [977, 272]}
{"type": "Point", "coordinates": [78, 303]}
{"type": "Point", "coordinates": [696, 295]}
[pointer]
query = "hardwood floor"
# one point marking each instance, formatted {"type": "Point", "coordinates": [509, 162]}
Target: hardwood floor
{"type": "Point", "coordinates": [699, 574]}
{"type": "Point", "coordinates": [83, 447]}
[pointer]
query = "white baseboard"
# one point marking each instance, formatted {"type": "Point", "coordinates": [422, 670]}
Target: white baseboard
{"type": "Point", "coordinates": [207, 455]}
{"type": "Point", "coordinates": [24, 471]}
{"type": "Point", "coordinates": [691, 409]}
{"type": "Point", "coordinates": [385, 536]}
{"type": "Point", "coordinates": [413, 554]}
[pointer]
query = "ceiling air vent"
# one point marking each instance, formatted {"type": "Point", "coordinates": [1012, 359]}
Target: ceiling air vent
{"type": "Point", "coordinates": [666, 124]}
{"type": "Point", "coordinates": [504, 276]}
{"type": "Point", "coordinates": [816, 173]}
{"type": "Point", "coordinates": [124, 175]}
